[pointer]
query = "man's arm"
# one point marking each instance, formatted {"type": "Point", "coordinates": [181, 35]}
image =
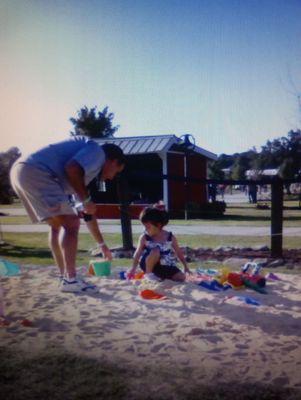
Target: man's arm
{"type": "Point", "coordinates": [76, 178]}
{"type": "Point", "coordinates": [97, 235]}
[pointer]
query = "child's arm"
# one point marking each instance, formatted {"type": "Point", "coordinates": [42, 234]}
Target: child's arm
{"type": "Point", "coordinates": [179, 253]}
{"type": "Point", "coordinates": [137, 255]}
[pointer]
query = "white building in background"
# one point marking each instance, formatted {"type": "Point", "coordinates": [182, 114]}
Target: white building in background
{"type": "Point", "coordinates": [227, 172]}
{"type": "Point", "coordinates": [257, 173]}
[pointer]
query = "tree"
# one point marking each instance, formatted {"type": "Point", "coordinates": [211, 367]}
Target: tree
{"type": "Point", "coordinates": [6, 161]}
{"type": "Point", "coordinates": [242, 163]}
{"type": "Point", "coordinates": [239, 171]}
{"type": "Point", "coordinates": [93, 124]}
{"type": "Point", "coordinates": [214, 171]}
{"type": "Point", "coordinates": [283, 153]}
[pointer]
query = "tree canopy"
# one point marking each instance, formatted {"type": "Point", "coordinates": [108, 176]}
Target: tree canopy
{"type": "Point", "coordinates": [283, 153]}
{"type": "Point", "coordinates": [94, 124]}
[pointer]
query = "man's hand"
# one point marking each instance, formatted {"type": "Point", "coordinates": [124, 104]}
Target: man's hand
{"type": "Point", "coordinates": [106, 252]}
{"type": "Point", "coordinates": [90, 208]}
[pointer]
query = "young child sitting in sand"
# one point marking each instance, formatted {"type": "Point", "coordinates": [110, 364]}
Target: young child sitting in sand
{"type": "Point", "coordinates": [158, 250]}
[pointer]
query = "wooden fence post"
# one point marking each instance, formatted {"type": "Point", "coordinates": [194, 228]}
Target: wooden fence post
{"type": "Point", "coordinates": [125, 219]}
{"type": "Point", "coordinates": [277, 218]}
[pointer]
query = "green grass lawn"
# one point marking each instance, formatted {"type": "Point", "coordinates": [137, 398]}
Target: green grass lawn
{"type": "Point", "coordinates": [15, 220]}
{"type": "Point", "coordinates": [32, 248]}
{"type": "Point", "coordinates": [242, 214]}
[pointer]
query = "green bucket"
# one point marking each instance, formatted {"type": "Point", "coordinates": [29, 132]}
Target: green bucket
{"type": "Point", "coordinates": [101, 267]}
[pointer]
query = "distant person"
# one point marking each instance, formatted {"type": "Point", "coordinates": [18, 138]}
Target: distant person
{"type": "Point", "coordinates": [222, 189]}
{"type": "Point", "coordinates": [158, 250]}
{"type": "Point", "coordinates": [252, 192]}
{"type": "Point", "coordinates": [212, 189]}
{"type": "Point", "coordinates": [44, 182]}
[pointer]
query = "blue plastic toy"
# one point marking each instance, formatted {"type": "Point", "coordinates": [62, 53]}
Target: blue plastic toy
{"type": "Point", "coordinates": [208, 271]}
{"type": "Point", "coordinates": [123, 275]}
{"type": "Point", "coordinates": [248, 300]}
{"type": "Point", "coordinates": [214, 285]}
{"type": "Point", "coordinates": [8, 268]}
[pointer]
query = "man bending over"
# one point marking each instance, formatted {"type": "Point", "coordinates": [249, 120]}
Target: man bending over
{"type": "Point", "coordinates": [44, 182]}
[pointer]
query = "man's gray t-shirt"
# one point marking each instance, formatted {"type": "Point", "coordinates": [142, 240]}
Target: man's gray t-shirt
{"type": "Point", "coordinates": [54, 157]}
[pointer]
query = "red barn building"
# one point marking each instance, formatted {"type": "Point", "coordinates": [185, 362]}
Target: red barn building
{"type": "Point", "coordinates": [148, 156]}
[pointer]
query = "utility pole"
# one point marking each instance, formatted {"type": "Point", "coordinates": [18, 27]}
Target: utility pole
{"type": "Point", "coordinates": [188, 143]}
{"type": "Point", "coordinates": [277, 218]}
{"type": "Point", "coordinates": [125, 218]}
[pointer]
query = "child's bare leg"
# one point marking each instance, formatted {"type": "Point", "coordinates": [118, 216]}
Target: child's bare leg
{"type": "Point", "coordinates": [179, 277]}
{"type": "Point", "coordinates": [151, 260]}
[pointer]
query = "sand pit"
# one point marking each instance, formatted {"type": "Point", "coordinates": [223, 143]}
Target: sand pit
{"type": "Point", "coordinates": [192, 336]}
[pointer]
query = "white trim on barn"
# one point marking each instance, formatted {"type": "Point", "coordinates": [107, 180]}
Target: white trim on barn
{"type": "Point", "coordinates": [163, 157]}
{"type": "Point", "coordinates": [152, 144]}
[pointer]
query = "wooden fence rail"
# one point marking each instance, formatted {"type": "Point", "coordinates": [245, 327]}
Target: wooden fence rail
{"type": "Point", "coordinates": [276, 203]}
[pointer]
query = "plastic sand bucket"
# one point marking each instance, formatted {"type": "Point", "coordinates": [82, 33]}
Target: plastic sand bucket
{"type": "Point", "coordinates": [100, 267]}
{"type": "Point", "coordinates": [139, 275]}
{"type": "Point", "coordinates": [235, 279]}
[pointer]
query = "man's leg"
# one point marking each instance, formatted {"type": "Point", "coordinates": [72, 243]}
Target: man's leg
{"type": "Point", "coordinates": [56, 249]}
{"type": "Point", "coordinates": [32, 186]}
{"type": "Point", "coordinates": [67, 242]}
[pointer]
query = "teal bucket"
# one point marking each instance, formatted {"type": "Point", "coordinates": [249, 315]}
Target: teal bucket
{"type": "Point", "coordinates": [101, 267]}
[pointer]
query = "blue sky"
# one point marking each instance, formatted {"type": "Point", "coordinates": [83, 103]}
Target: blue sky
{"type": "Point", "coordinates": [222, 70]}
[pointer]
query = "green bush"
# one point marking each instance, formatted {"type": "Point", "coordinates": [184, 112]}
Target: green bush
{"type": "Point", "coordinates": [208, 210]}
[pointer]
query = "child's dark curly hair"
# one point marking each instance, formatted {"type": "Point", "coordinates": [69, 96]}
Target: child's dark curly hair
{"type": "Point", "coordinates": [154, 216]}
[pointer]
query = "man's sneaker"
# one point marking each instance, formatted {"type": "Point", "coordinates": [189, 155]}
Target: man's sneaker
{"type": "Point", "coordinates": [88, 287]}
{"type": "Point", "coordinates": [70, 286]}
{"type": "Point", "coordinates": [77, 286]}
{"type": "Point", "coordinates": [152, 277]}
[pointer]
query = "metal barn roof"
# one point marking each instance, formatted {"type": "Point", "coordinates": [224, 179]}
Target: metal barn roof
{"type": "Point", "coordinates": [152, 144]}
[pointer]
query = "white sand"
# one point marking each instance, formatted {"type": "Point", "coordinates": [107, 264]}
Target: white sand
{"type": "Point", "coordinates": [193, 332]}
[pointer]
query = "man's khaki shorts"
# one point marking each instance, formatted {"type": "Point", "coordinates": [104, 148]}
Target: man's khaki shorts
{"type": "Point", "coordinates": [40, 192]}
